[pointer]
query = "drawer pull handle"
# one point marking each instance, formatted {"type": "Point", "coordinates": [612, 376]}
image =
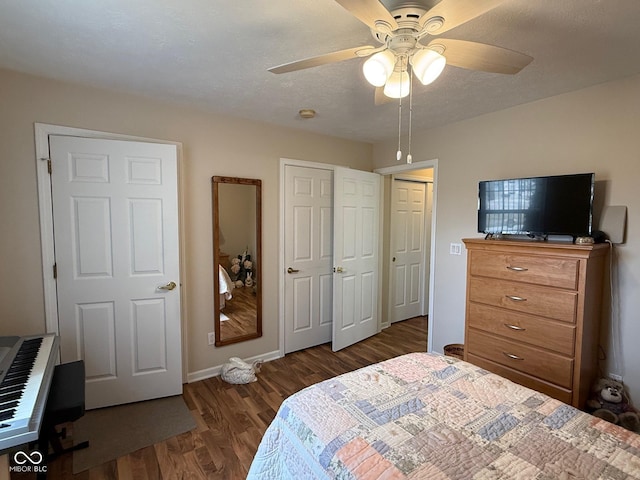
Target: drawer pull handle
{"type": "Point", "coordinates": [517, 269]}
{"type": "Point", "coordinates": [512, 356]}
{"type": "Point", "coordinates": [516, 299]}
{"type": "Point", "coordinates": [515, 327]}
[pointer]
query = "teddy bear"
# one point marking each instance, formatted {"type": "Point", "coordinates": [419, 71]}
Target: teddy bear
{"type": "Point", "coordinates": [235, 267]}
{"type": "Point", "coordinates": [245, 270]}
{"type": "Point", "coordinates": [610, 402]}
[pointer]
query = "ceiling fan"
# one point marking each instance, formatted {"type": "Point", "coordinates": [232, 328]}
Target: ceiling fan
{"type": "Point", "coordinates": [403, 37]}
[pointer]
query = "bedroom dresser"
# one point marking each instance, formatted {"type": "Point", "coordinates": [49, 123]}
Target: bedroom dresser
{"type": "Point", "coordinates": [533, 313]}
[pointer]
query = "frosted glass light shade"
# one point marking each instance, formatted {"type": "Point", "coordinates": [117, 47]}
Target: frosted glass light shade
{"type": "Point", "coordinates": [379, 67]}
{"type": "Point", "coordinates": [398, 85]}
{"type": "Point", "coordinates": [427, 65]}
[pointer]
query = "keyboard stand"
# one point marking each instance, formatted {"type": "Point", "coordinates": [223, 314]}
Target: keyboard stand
{"type": "Point", "coordinates": [64, 404]}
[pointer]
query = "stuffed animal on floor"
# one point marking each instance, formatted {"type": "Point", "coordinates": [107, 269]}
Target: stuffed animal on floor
{"type": "Point", "coordinates": [235, 267]}
{"type": "Point", "coordinates": [237, 371]}
{"type": "Point", "coordinates": [610, 402]}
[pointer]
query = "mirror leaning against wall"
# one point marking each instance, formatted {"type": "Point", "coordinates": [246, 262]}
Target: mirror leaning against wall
{"type": "Point", "coordinates": [237, 259]}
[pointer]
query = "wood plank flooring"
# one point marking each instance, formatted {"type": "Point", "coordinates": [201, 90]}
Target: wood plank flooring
{"type": "Point", "coordinates": [231, 419]}
{"type": "Point", "coordinates": [242, 313]}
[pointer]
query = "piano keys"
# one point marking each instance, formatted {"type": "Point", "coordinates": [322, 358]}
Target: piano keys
{"type": "Point", "coordinates": [26, 371]}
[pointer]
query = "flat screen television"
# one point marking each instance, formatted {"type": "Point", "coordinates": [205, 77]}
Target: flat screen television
{"type": "Point", "coordinates": [537, 206]}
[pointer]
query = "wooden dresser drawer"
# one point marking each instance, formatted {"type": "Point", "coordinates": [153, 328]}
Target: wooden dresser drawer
{"type": "Point", "coordinates": [550, 271]}
{"type": "Point", "coordinates": [544, 301]}
{"type": "Point", "coordinates": [533, 361]}
{"type": "Point", "coordinates": [562, 394]}
{"type": "Point", "coordinates": [556, 336]}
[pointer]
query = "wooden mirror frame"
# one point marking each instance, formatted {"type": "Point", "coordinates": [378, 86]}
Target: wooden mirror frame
{"type": "Point", "coordinates": [256, 258]}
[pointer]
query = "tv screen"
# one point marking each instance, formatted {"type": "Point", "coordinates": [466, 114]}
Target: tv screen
{"type": "Point", "coordinates": [537, 206]}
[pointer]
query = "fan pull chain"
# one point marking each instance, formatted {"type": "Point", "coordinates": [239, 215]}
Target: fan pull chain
{"type": "Point", "coordinates": [409, 157]}
{"type": "Point", "coordinates": [399, 152]}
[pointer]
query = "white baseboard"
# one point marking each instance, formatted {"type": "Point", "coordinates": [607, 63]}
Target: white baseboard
{"type": "Point", "coordinates": [215, 371]}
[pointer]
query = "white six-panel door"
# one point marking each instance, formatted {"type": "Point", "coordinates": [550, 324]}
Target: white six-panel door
{"type": "Point", "coordinates": [408, 204]}
{"type": "Point", "coordinates": [116, 243]}
{"type": "Point", "coordinates": [355, 250]}
{"type": "Point", "coordinates": [308, 252]}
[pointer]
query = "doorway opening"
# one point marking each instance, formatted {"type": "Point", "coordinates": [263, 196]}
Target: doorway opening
{"type": "Point", "coordinates": [407, 242]}
{"type": "Point", "coordinates": [425, 172]}
{"type": "Point", "coordinates": [157, 350]}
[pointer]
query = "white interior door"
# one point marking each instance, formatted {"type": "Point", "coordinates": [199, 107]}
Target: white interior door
{"type": "Point", "coordinates": [355, 249]}
{"type": "Point", "coordinates": [308, 256]}
{"type": "Point", "coordinates": [408, 256]}
{"type": "Point", "coordinates": [115, 217]}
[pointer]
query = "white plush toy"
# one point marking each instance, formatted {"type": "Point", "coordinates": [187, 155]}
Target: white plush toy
{"type": "Point", "coordinates": [238, 371]}
{"type": "Point", "coordinates": [239, 284]}
{"type": "Point", "coordinates": [247, 264]}
{"type": "Point", "coordinates": [235, 266]}
{"type": "Point", "coordinates": [248, 282]}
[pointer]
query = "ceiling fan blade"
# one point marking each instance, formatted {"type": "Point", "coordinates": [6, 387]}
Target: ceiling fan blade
{"type": "Point", "coordinates": [339, 56]}
{"type": "Point", "coordinates": [454, 13]}
{"type": "Point", "coordinates": [372, 13]}
{"type": "Point", "coordinates": [478, 56]}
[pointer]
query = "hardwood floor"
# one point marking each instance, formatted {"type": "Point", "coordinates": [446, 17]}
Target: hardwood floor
{"type": "Point", "coordinates": [242, 313]}
{"type": "Point", "coordinates": [231, 419]}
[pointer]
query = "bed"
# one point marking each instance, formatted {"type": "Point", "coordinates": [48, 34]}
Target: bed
{"type": "Point", "coordinates": [430, 416]}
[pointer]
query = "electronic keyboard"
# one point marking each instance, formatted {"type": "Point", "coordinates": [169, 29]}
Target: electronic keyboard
{"type": "Point", "coordinates": [26, 371]}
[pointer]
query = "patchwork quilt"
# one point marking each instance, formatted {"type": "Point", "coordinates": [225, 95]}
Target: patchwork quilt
{"type": "Point", "coordinates": [434, 417]}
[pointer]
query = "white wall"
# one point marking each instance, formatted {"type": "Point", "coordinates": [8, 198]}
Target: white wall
{"type": "Point", "coordinates": [212, 145]}
{"type": "Point", "coordinates": [594, 129]}
{"type": "Point", "coordinates": [237, 217]}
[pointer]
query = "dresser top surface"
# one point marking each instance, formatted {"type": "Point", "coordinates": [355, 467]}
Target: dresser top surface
{"type": "Point", "coordinates": [538, 247]}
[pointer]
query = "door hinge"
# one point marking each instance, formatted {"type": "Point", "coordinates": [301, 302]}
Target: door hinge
{"type": "Point", "coordinates": [55, 270]}
{"type": "Point", "coordinates": [48, 160]}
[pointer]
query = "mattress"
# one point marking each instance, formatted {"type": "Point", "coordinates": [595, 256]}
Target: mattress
{"type": "Point", "coordinates": [429, 416]}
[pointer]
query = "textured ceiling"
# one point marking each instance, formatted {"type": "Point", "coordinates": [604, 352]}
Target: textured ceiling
{"type": "Point", "coordinates": [214, 55]}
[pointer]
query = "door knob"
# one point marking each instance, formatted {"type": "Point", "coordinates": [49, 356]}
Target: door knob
{"type": "Point", "coordinates": [292, 270]}
{"type": "Point", "coordinates": [338, 269]}
{"type": "Point", "coordinates": [168, 286]}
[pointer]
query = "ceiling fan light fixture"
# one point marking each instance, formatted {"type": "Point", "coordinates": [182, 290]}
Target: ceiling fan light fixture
{"type": "Point", "coordinates": [398, 85]}
{"type": "Point", "coordinates": [427, 65]}
{"type": "Point", "coordinates": [379, 67]}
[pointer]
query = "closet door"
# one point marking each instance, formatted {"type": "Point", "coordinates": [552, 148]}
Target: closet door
{"type": "Point", "coordinates": [308, 222]}
{"type": "Point", "coordinates": [408, 241]}
{"type": "Point", "coordinates": [356, 221]}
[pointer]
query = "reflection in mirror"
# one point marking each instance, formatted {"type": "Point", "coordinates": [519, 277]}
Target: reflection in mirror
{"type": "Point", "coordinates": [237, 257]}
